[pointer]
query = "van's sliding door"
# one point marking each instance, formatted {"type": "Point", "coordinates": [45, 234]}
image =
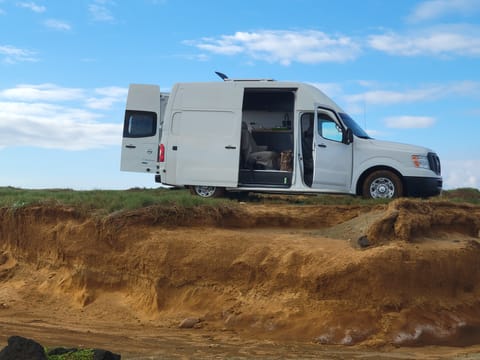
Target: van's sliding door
{"type": "Point", "coordinates": [207, 147]}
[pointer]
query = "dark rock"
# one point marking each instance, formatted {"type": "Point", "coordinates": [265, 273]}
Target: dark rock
{"type": "Point", "coordinates": [363, 241]}
{"type": "Point", "coordinates": [99, 354]}
{"type": "Point", "coordinates": [20, 348]}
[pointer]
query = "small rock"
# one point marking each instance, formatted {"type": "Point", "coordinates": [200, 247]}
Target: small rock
{"type": "Point", "coordinates": [100, 354]}
{"type": "Point", "coordinates": [363, 241]}
{"type": "Point", "coordinates": [188, 323]}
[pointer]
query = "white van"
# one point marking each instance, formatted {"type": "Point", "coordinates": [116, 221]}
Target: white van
{"type": "Point", "coordinates": [265, 136]}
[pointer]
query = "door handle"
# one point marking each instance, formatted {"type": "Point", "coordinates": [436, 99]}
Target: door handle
{"type": "Point", "coordinates": [230, 147]}
{"type": "Point", "coordinates": [322, 145]}
{"type": "Point", "coordinates": [130, 146]}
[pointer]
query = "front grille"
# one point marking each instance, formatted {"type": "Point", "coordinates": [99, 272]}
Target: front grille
{"type": "Point", "coordinates": [434, 162]}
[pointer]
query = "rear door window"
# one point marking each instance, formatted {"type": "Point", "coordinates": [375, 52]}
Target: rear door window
{"type": "Point", "coordinates": [139, 124]}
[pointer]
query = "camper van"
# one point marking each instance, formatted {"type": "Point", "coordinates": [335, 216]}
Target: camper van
{"type": "Point", "coordinates": [265, 136]}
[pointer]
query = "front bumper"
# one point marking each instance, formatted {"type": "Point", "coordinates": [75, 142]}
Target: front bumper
{"type": "Point", "coordinates": [423, 186]}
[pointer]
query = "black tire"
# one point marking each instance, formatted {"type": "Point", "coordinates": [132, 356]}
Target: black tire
{"type": "Point", "coordinates": [207, 191]}
{"type": "Point", "coordinates": [237, 195]}
{"type": "Point", "coordinates": [382, 184]}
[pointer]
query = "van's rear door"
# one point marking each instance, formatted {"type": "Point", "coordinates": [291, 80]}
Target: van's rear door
{"type": "Point", "coordinates": [141, 130]}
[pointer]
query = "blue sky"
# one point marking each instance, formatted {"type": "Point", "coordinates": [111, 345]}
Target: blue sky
{"type": "Point", "coordinates": [407, 71]}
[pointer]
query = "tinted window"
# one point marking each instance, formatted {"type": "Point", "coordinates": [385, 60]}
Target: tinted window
{"type": "Point", "coordinates": [139, 124]}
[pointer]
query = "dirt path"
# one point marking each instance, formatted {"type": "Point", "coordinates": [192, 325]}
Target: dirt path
{"type": "Point", "coordinates": [260, 281]}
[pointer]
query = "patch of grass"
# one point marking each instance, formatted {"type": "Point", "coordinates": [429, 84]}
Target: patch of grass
{"type": "Point", "coordinates": [469, 195]}
{"type": "Point", "coordinates": [82, 354]}
{"type": "Point", "coordinates": [103, 201]}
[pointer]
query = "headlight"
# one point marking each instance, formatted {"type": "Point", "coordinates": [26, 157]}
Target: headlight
{"type": "Point", "coordinates": [420, 161]}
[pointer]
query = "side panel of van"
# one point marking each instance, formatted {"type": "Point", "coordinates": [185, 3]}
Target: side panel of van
{"type": "Point", "coordinates": [140, 129]}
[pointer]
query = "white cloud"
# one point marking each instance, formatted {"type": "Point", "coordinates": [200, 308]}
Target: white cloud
{"type": "Point", "coordinates": [409, 122]}
{"type": "Point", "coordinates": [426, 93]}
{"type": "Point", "coordinates": [12, 54]}
{"type": "Point", "coordinates": [108, 97]}
{"type": "Point", "coordinates": [102, 98]}
{"type": "Point", "coordinates": [99, 11]}
{"type": "Point", "coordinates": [42, 92]}
{"type": "Point", "coordinates": [37, 115]}
{"type": "Point", "coordinates": [461, 173]}
{"type": "Point", "coordinates": [32, 6]}
{"type": "Point", "coordinates": [433, 9]}
{"type": "Point", "coordinates": [112, 91]}
{"type": "Point", "coordinates": [57, 25]}
{"type": "Point", "coordinates": [437, 41]}
{"type": "Point", "coordinates": [282, 46]}
{"type": "Point", "coordinates": [385, 97]}
{"type": "Point", "coordinates": [54, 126]}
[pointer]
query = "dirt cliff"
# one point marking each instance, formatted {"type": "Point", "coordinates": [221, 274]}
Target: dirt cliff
{"type": "Point", "coordinates": [277, 272]}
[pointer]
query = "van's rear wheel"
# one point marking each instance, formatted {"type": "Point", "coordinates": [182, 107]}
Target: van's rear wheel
{"type": "Point", "coordinates": [382, 184]}
{"type": "Point", "coordinates": [207, 191]}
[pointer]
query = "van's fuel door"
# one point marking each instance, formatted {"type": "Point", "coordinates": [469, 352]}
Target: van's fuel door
{"type": "Point", "coordinates": [141, 134]}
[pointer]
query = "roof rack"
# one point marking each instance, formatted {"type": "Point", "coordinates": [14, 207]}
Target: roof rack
{"type": "Point", "coordinates": [249, 79]}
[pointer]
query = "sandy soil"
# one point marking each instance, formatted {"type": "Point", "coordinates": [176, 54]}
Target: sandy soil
{"type": "Point", "coordinates": [265, 281]}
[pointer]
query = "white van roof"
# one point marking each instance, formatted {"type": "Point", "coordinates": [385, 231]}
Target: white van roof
{"type": "Point", "coordinates": [306, 95]}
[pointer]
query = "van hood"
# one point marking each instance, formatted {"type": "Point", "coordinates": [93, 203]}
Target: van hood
{"type": "Point", "coordinates": [395, 146]}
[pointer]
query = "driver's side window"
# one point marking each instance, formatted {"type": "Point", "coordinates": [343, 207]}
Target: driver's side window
{"type": "Point", "coordinates": [328, 129]}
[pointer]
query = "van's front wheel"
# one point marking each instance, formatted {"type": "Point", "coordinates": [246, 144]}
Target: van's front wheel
{"type": "Point", "coordinates": [382, 184]}
{"type": "Point", "coordinates": [207, 191]}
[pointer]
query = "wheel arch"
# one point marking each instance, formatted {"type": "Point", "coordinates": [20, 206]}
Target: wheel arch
{"type": "Point", "coordinates": [363, 176]}
{"type": "Point", "coordinates": [207, 191]}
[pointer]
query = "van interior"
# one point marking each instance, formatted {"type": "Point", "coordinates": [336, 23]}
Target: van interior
{"type": "Point", "coordinates": [266, 152]}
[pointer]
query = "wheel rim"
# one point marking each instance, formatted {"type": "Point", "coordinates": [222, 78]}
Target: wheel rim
{"type": "Point", "coordinates": [205, 191]}
{"type": "Point", "coordinates": [382, 188]}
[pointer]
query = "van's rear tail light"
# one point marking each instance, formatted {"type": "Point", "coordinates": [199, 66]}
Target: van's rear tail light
{"type": "Point", "coordinates": [161, 153]}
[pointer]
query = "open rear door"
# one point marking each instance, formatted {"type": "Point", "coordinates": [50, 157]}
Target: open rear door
{"type": "Point", "coordinates": [141, 130]}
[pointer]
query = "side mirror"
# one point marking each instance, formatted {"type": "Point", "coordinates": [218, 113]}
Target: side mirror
{"type": "Point", "coordinates": [348, 136]}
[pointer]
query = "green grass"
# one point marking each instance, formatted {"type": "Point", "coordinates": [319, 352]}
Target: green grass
{"type": "Point", "coordinates": [82, 354]}
{"type": "Point", "coordinates": [109, 201]}
{"type": "Point", "coordinates": [469, 195]}
{"type": "Point", "coordinates": [103, 201]}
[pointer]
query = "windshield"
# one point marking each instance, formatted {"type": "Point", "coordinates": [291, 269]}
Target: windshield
{"type": "Point", "coordinates": [351, 124]}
